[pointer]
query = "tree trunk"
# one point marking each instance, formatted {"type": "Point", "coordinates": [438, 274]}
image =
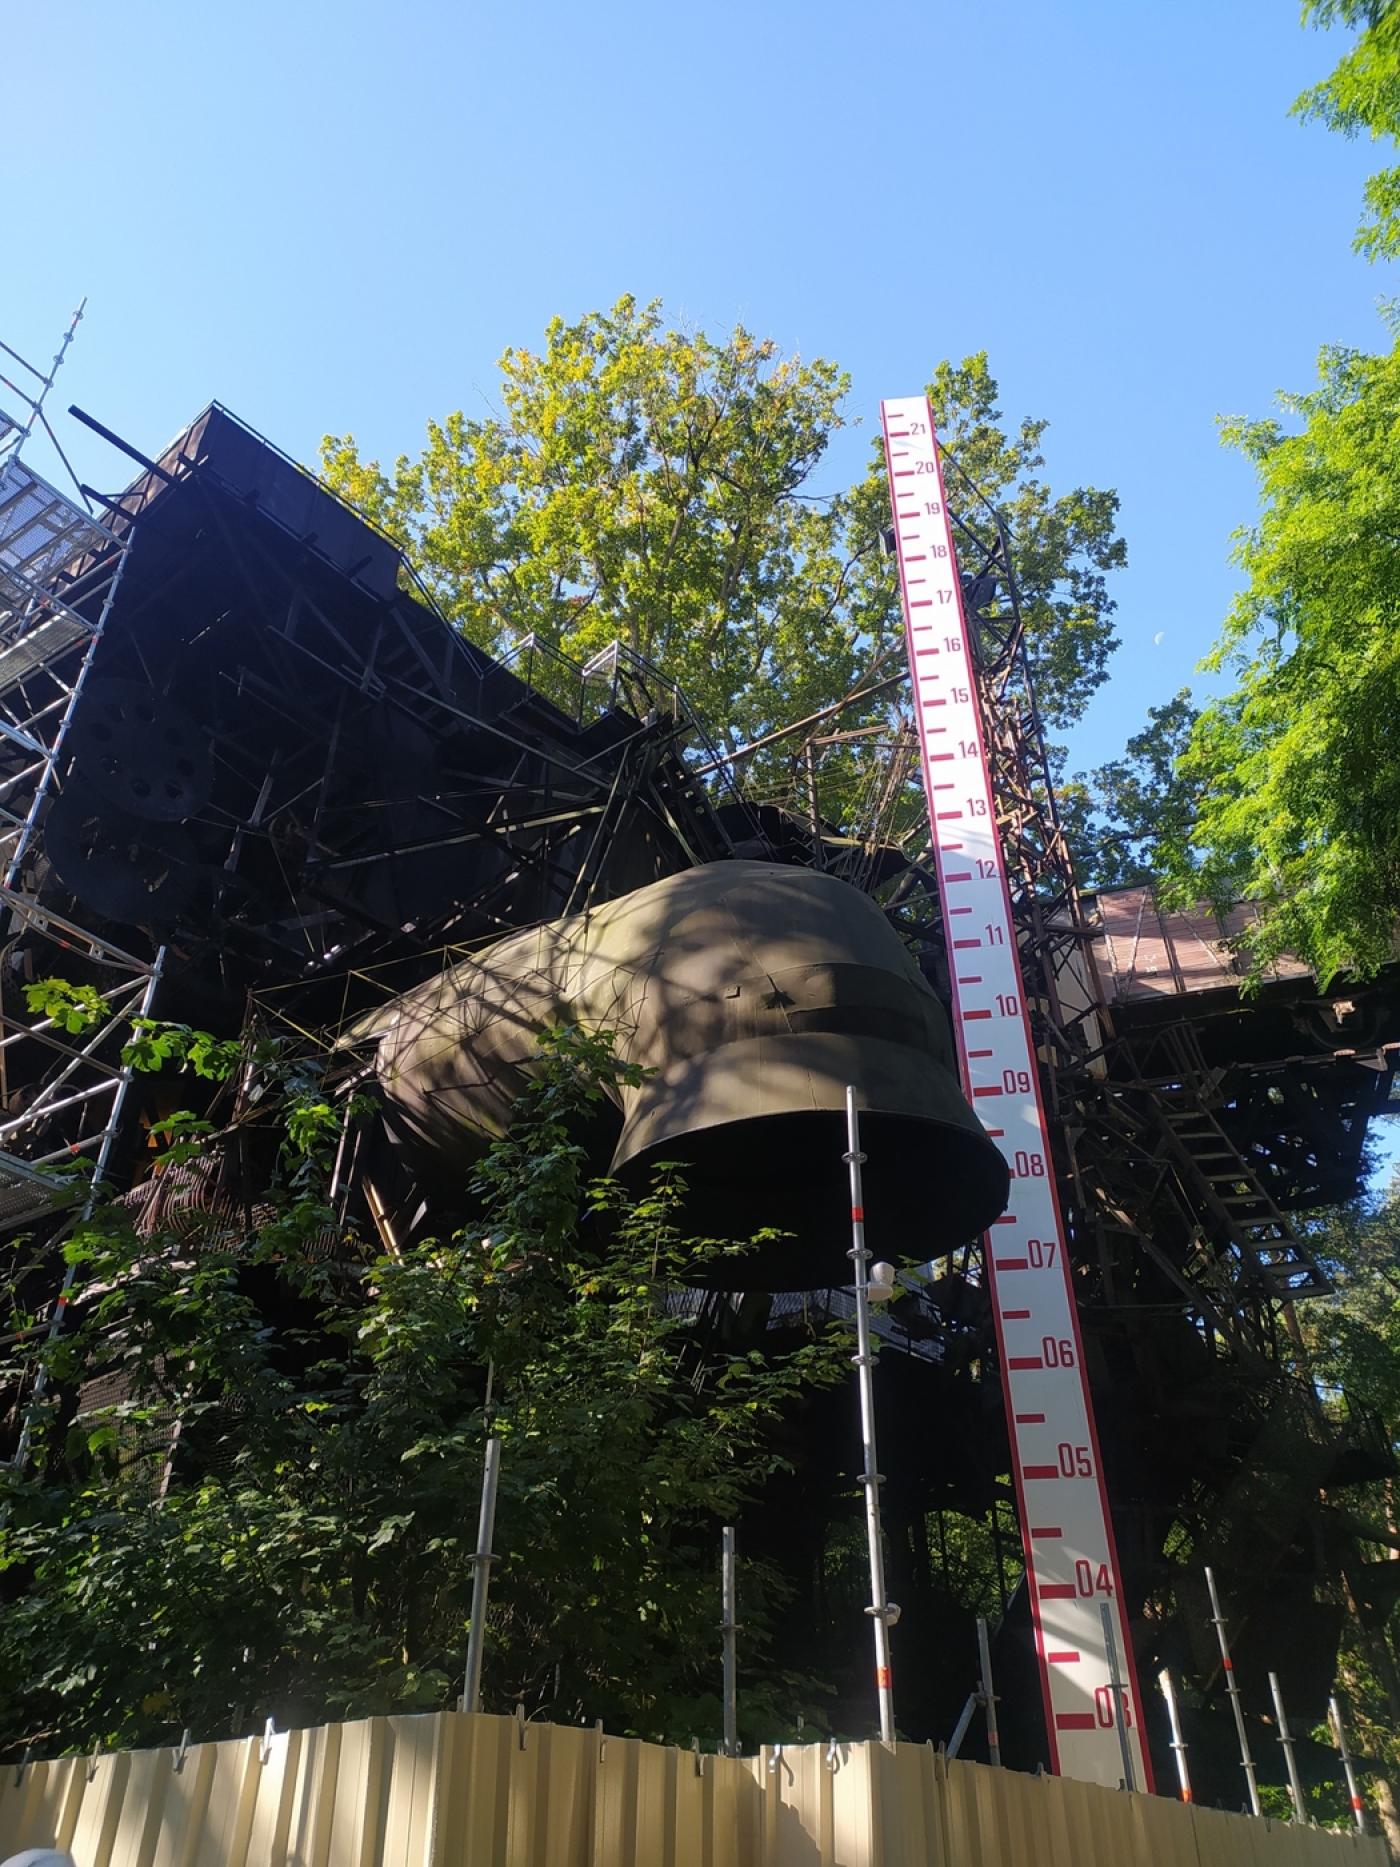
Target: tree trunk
{"type": "Point", "coordinates": [1376, 1649]}
{"type": "Point", "coordinates": [1389, 1813]}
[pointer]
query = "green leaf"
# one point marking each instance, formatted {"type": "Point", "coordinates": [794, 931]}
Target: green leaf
{"type": "Point", "coordinates": [388, 1530]}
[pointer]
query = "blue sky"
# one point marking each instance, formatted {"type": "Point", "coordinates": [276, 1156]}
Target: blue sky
{"type": "Point", "coordinates": [335, 217]}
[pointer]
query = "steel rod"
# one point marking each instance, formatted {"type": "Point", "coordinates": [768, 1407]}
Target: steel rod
{"type": "Point", "coordinates": [954, 1744]}
{"type": "Point", "coordinates": [879, 1609]}
{"type": "Point", "coordinates": [43, 919]}
{"type": "Point", "coordinates": [1285, 1737]}
{"type": "Point", "coordinates": [986, 1692]}
{"type": "Point", "coordinates": [36, 402]}
{"type": "Point", "coordinates": [1183, 1775]}
{"type": "Point", "coordinates": [41, 1111]}
{"type": "Point", "coordinates": [1246, 1760]}
{"type": "Point", "coordinates": [481, 1576]}
{"type": "Point", "coordinates": [729, 1627]}
{"type": "Point", "coordinates": [1339, 1730]}
{"type": "Point", "coordinates": [1120, 1698]}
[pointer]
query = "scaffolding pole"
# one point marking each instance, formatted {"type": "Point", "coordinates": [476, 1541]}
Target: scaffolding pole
{"type": "Point", "coordinates": [1120, 1697]}
{"type": "Point", "coordinates": [34, 400]}
{"type": "Point", "coordinates": [1246, 1760]}
{"type": "Point", "coordinates": [1183, 1775]}
{"type": "Point", "coordinates": [481, 1576]}
{"type": "Point", "coordinates": [729, 1628]}
{"type": "Point", "coordinates": [879, 1610]}
{"type": "Point", "coordinates": [1339, 1731]}
{"type": "Point", "coordinates": [1285, 1737]}
{"type": "Point", "coordinates": [986, 1693]}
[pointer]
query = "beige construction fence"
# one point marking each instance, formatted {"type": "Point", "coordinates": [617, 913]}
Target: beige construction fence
{"type": "Point", "coordinates": [454, 1791]}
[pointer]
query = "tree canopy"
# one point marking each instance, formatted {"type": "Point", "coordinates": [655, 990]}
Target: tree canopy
{"type": "Point", "coordinates": [1352, 1347]}
{"type": "Point", "coordinates": [1362, 96]}
{"type": "Point", "coordinates": [665, 489]}
{"type": "Point", "coordinates": [1296, 779]}
{"type": "Point", "coordinates": [1293, 774]}
{"type": "Point", "coordinates": [1119, 815]}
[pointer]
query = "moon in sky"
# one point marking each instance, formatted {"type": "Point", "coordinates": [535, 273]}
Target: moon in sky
{"type": "Point", "coordinates": [1159, 638]}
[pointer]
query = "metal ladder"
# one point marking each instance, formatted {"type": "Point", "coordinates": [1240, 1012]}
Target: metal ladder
{"type": "Point", "coordinates": [1240, 1213]}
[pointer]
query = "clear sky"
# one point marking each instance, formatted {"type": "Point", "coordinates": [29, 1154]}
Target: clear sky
{"type": "Point", "coordinates": [334, 215]}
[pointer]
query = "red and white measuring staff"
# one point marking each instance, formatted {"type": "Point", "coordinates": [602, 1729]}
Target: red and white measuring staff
{"type": "Point", "coordinates": [1071, 1562]}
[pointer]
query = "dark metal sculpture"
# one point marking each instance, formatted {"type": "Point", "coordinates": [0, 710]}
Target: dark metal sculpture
{"type": "Point", "coordinates": [752, 995]}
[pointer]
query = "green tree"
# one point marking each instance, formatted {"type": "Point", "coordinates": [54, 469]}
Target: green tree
{"type": "Point", "coordinates": [661, 488]}
{"type": "Point", "coordinates": [1353, 1354]}
{"type": "Point", "coordinates": [1294, 773]}
{"type": "Point", "coordinates": [1362, 96]}
{"type": "Point", "coordinates": [1063, 545]}
{"type": "Point", "coordinates": [1119, 814]}
{"type": "Point", "coordinates": [301, 1547]}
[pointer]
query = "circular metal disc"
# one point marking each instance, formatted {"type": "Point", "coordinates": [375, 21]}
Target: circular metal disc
{"type": "Point", "coordinates": [141, 750]}
{"type": "Point", "coordinates": [119, 867]}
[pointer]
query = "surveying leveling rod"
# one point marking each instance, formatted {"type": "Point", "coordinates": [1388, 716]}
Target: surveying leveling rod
{"type": "Point", "coordinates": [1066, 1531]}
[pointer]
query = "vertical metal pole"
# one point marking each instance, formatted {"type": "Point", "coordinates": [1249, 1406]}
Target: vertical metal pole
{"type": "Point", "coordinates": [954, 1744]}
{"type": "Point", "coordinates": [481, 1576]}
{"type": "Point", "coordinates": [729, 1627]}
{"type": "Point", "coordinates": [1115, 1685]}
{"type": "Point", "coordinates": [36, 404]}
{"type": "Point", "coordinates": [879, 1609]}
{"type": "Point", "coordinates": [1164, 1679]}
{"type": "Point", "coordinates": [1285, 1737]}
{"type": "Point", "coordinates": [1358, 1806]}
{"type": "Point", "coordinates": [986, 1692]}
{"type": "Point", "coordinates": [1246, 1761]}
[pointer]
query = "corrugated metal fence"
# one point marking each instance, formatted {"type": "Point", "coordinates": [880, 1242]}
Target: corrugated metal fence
{"type": "Point", "coordinates": [455, 1791]}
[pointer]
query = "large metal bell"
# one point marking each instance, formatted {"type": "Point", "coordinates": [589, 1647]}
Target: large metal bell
{"type": "Point", "coordinates": [751, 994]}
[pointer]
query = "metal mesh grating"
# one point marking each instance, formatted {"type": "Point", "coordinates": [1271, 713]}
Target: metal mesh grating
{"type": "Point", "coordinates": [40, 645]}
{"type": "Point", "coordinates": [816, 1308]}
{"type": "Point", "coordinates": [42, 534]}
{"type": "Point", "coordinates": [25, 1194]}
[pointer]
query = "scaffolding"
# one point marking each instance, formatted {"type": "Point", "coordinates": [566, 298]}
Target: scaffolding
{"type": "Point", "coordinates": [63, 1076]}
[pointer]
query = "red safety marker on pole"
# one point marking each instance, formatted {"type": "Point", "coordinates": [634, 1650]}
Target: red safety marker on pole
{"type": "Point", "coordinates": [1071, 1561]}
{"type": "Point", "coordinates": [1358, 1807]}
